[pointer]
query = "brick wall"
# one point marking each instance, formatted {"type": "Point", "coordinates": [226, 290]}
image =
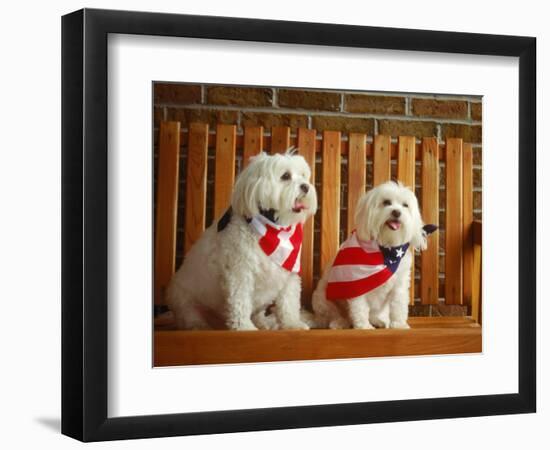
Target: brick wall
{"type": "Point", "coordinates": [373, 113]}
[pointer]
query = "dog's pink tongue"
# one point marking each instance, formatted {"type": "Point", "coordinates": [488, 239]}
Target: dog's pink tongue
{"type": "Point", "coordinates": [298, 206]}
{"type": "Point", "coordinates": [394, 224]}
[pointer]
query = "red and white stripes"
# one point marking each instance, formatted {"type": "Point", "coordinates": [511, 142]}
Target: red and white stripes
{"type": "Point", "coordinates": [358, 268]}
{"type": "Point", "coordinates": [283, 245]}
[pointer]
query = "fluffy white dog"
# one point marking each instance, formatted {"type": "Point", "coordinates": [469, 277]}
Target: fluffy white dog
{"type": "Point", "coordinates": [367, 283]}
{"type": "Point", "coordinates": [250, 258]}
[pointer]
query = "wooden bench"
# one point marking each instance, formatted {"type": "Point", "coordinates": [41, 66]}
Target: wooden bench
{"type": "Point", "coordinates": [329, 152]}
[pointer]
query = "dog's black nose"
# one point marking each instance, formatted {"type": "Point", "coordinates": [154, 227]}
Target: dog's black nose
{"type": "Point", "coordinates": [396, 213]}
{"type": "Point", "coordinates": [305, 188]}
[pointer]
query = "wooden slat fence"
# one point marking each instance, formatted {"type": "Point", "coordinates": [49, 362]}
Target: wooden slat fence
{"type": "Point", "coordinates": [167, 206]}
{"type": "Point", "coordinates": [331, 152]}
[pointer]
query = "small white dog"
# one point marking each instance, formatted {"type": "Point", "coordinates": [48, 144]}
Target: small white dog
{"type": "Point", "coordinates": [367, 283]}
{"type": "Point", "coordinates": [250, 258]}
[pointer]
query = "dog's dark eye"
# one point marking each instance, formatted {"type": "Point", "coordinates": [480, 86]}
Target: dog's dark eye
{"type": "Point", "coordinates": [285, 176]}
{"type": "Point", "coordinates": [387, 202]}
{"type": "Point", "coordinates": [406, 205]}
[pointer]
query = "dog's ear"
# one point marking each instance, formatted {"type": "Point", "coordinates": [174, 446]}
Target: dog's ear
{"type": "Point", "coordinates": [430, 228]}
{"type": "Point", "coordinates": [258, 157]}
{"type": "Point", "coordinates": [419, 241]}
{"type": "Point", "coordinates": [421, 231]}
{"type": "Point", "coordinates": [364, 215]}
{"type": "Point", "coordinates": [244, 199]}
{"type": "Point", "coordinates": [292, 151]}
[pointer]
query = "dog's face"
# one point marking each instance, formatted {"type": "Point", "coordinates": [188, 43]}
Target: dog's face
{"type": "Point", "coordinates": [390, 215]}
{"type": "Point", "coordinates": [279, 183]}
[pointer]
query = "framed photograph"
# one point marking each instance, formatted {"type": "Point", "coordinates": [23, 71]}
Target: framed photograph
{"type": "Point", "coordinates": [274, 225]}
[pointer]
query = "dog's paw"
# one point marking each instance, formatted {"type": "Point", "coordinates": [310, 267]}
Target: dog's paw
{"type": "Point", "coordinates": [399, 325]}
{"type": "Point", "coordinates": [378, 323]}
{"type": "Point", "coordinates": [265, 322]}
{"type": "Point", "coordinates": [242, 326]}
{"type": "Point", "coordinates": [298, 325]}
{"type": "Point", "coordinates": [338, 324]}
{"type": "Point", "coordinates": [363, 326]}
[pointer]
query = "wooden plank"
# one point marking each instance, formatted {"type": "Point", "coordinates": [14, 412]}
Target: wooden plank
{"type": "Point", "coordinates": [405, 160]}
{"type": "Point", "coordinates": [293, 141]}
{"type": "Point", "coordinates": [280, 139]}
{"type": "Point", "coordinates": [166, 321]}
{"type": "Point", "coordinates": [442, 322]}
{"type": "Point", "coordinates": [477, 278]}
{"type": "Point", "coordinates": [306, 148]}
{"type": "Point", "coordinates": [406, 148]}
{"type": "Point", "coordinates": [173, 348]}
{"type": "Point", "coordinates": [225, 168]}
{"type": "Point", "coordinates": [330, 205]}
{"type": "Point", "coordinates": [453, 222]}
{"type": "Point", "coordinates": [429, 276]}
{"type": "Point", "coordinates": [253, 143]}
{"type": "Point", "coordinates": [467, 219]}
{"type": "Point", "coordinates": [381, 159]}
{"type": "Point", "coordinates": [195, 198]}
{"type": "Point", "coordinates": [167, 206]}
{"type": "Point", "coordinates": [357, 174]}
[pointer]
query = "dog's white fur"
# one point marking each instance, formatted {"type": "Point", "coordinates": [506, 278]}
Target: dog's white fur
{"type": "Point", "coordinates": [387, 305]}
{"type": "Point", "coordinates": [226, 275]}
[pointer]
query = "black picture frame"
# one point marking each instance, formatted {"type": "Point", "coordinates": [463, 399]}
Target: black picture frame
{"type": "Point", "coordinates": [84, 224]}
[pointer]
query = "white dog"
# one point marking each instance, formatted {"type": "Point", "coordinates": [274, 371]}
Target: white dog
{"type": "Point", "coordinates": [367, 283]}
{"type": "Point", "coordinates": [250, 258]}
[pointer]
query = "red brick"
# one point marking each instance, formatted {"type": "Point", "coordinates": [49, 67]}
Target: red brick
{"type": "Point", "coordinates": [407, 128]}
{"type": "Point", "coordinates": [204, 115]}
{"type": "Point", "coordinates": [417, 268]}
{"type": "Point", "coordinates": [374, 104]}
{"type": "Point", "coordinates": [370, 175]}
{"type": "Point", "coordinates": [442, 173]}
{"type": "Point", "coordinates": [447, 109]}
{"type": "Point", "coordinates": [469, 133]}
{"type": "Point", "coordinates": [343, 124]}
{"type": "Point", "coordinates": [418, 192]}
{"type": "Point", "coordinates": [477, 178]}
{"type": "Point", "coordinates": [268, 120]}
{"type": "Point", "coordinates": [442, 219]}
{"type": "Point", "coordinates": [177, 93]}
{"type": "Point", "coordinates": [240, 96]}
{"type": "Point", "coordinates": [317, 100]}
{"type": "Point", "coordinates": [477, 200]}
{"type": "Point", "coordinates": [442, 198]}
{"type": "Point", "coordinates": [476, 111]}
{"type": "Point", "coordinates": [417, 173]}
{"type": "Point", "coordinates": [478, 156]}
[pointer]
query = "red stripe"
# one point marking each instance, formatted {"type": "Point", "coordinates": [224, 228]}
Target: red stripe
{"type": "Point", "coordinates": [358, 256]}
{"type": "Point", "coordinates": [345, 290]}
{"type": "Point", "coordinates": [295, 240]}
{"type": "Point", "coordinates": [270, 240]}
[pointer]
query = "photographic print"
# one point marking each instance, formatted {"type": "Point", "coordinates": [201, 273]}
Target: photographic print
{"type": "Point", "coordinates": [273, 228]}
{"type": "Point", "coordinates": [307, 224]}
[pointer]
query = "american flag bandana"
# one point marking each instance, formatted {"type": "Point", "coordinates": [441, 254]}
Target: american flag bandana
{"type": "Point", "coordinates": [283, 245]}
{"type": "Point", "coordinates": [361, 266]}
